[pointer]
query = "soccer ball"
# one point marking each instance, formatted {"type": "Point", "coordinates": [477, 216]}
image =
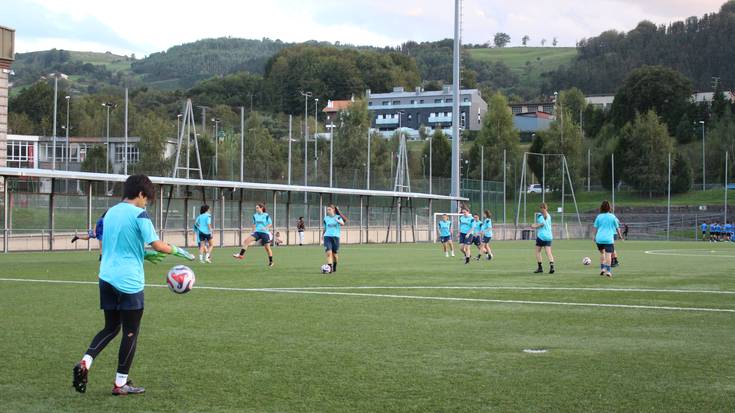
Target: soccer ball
{"type": "Point", "coordinates": [180, 279]}
{"type": "Point", "coordinates": [326, 269]}
{"type": "Point", "coordinates": [586, 261]}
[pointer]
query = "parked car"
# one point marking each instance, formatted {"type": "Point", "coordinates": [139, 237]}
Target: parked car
{"type": "Point", "coordinates": [536, 189]}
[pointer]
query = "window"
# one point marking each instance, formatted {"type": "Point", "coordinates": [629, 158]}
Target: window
{"type": "Point", "coordinates": [370, 103]}
{"type": "Point", "coordinates": [466, 100]}
{"type": "Point", "coordinates": [133, 153]}
{"type": "Point", "coordinates": [413, 101]}
{"type": "Point", "coordinates": [448, 100]}
{"type": "Point", "coordinates": [47, 151]}
{"type": "Point", "coordinates": [421, 102]}
{"type": "Point", "coordinates": [385, 103]}
{"type": "Point", "coordinates": [20, 154]}
{"type": "Point", "coordinates": [437, 101]}
{"type": "Point", "coordinates": [396, 102]}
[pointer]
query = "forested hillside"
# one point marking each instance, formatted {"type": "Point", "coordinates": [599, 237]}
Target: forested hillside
{"type": "Point", "coordinates": [184, 65]}
{"type": "Point", "coordinates": [699, 48]}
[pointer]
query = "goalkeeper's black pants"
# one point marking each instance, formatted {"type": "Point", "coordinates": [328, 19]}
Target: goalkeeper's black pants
{"type": "Point", "coordinates": [114, 319]}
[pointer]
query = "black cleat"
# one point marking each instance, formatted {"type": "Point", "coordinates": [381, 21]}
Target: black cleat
{"type": "Point", "coordinates": [79, 377]}
{"type": "Point", "coordinates": [126, 389]}
{"type": "Point", "coordinates": [552, 270]}
{"type": "Point", "coordinates": [466, 260]}
{"type": "Point", "coordinates": [538, 271]}
{"type": "Point", "coordinates": [74, 239]}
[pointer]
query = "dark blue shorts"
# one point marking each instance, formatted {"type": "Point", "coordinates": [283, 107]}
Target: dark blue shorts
{"type": "Point", "coordinates": [477, 240]}
{"type": "Point", "coordinates": [486, 240]}
{"type": "Point", "coordinates": [204, 237]}
{"type": "Point", "coordinates": [331, 244]}
{"type": "Point", "coordinates": [113, 299]}
{"type": "Point", "coordinates": [542, 243]}
{"type": "Point", "coordinates": [606, 247]}
{"type": "Point", "coordinates": [464, 239]}
{"type": "Point", "coordinates": [445, 239]}
{"type": "Point", "coordinates": [262, 237]}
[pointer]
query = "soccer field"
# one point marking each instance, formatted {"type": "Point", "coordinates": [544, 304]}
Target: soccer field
{"type": "Point", "coordinates": [398, 328]}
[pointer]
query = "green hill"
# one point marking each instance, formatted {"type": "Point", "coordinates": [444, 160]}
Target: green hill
{"type": "Point", "coordinates": [528, 63]}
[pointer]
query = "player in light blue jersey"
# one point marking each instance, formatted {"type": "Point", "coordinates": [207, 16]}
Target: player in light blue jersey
{"type": "Point", "coordinates": [444, 229]}
{"type": "Point", "coordinates": [333, 222]}
{"type": "Point", "coordinates": [466, 235]}
{"type": "Point", "coordinates": [262, 226]}
{"type": "Point", "coordinates": [544, 237]}
{"type": "Point", "coordinates": [487, 234]}
{"type": "Point", "coordinates": [477, 235]}
{"type": "Point", "coordinates": [703, 228]}
{"type": "Point", "coordinates": [203, 233]}
{"type": "Point", "coordinates": [128, 229]}
{"type": "Point", "coordinates": [604, 230]}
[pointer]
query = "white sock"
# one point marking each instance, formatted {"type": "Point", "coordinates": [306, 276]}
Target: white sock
{"type": "Point", "coordinates": [87, 359]}
{"type": "Point", "coordinates": [207, 256]}
{"type": "Point", "coordinates": [201, 257]}
{"type": "Point", "coordinates": [120, 379]}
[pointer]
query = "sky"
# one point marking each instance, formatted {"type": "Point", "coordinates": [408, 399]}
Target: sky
{"type": "Point", "coordinates": [144, 27]}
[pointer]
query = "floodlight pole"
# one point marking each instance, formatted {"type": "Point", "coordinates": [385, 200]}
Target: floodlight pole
{"type": "Point", "coordinates": [290, 135]}
{"type": "Point", "coordinates": [56, 92]}
{"type": "Point", "coordinates": [455, 107]}
{"type": "Point", "coordinates": [68, 153]}
{"type": "Point", "coordinates": [125, 155]}
{"type": "Point", "coordinates": [704, 175]}
{"type": "Point", "coordinates": [727, 179]}
{"type": "Point", "coordinates": [431, 174]}
{"type": "Point", "coordinates": [612, 169]}
{"type": "Point", "coordinates": [242, 146]}
{"type": "Point", "coordinates": [482, 178]}
{"type": "Point", "coordinates": [367, 179]}
{"type": "Point", "coordinates": [505, 168]}
{"type": "Point", "coordinates": [668, 203]}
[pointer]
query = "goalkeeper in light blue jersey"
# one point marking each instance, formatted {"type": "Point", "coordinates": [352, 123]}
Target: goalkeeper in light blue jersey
{"type": "Point", "coordinates": [127, 230]}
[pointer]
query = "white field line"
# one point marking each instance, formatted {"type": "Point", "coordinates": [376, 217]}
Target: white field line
{"type": "Point", "coordinates": [673, 253]}
{"type": "Point", "coordinates": [410, 297]}
{"type": "Point", "coordinates": [510, 288]}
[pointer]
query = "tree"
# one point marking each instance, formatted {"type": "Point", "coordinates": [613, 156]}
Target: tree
{"type": "Point", "coordinates": [569, 143]}
{"type": "Point", "coordinates": [154, 133]}
{"type": "Point", "coordinates": [681, 174]}
{"type": "Point", "coordinates": [350, 141]}
{"type": "Point", "coordinates": [497, 134]}
{"type": "Point", "coordinates": [663, 90]}
{"type": "Point", "coordinates": [644, 148]}
{"type": "Point", "coordinates": [525, 40]}
{"type": "Point", "coordinates": [501, 39]}
{"type": "Point", "coordinates": [554, 42]}
{"type": "Point", "coordinates": [441, 154]}
{"type": "Point", "coordinates": [574, 102]}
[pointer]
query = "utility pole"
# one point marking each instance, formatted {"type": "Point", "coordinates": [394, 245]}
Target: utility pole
{"type": "Point", "coordinates": [367, 183]}
{"type": "Point", "coordinates": [704, 175]}
{"type": "Point", "coordinates": [431, 175]}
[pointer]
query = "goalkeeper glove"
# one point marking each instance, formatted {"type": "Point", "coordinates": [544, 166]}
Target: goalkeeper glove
{"type": "Point", "coordinates": [182, 253]}
{"type": "Point", "coordinates": [154, 256]}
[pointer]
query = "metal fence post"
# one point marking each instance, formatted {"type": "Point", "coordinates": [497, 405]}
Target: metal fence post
{"type": "Point", "coordinates": [6, 213]}
{"type": "Point", "coordinates": [222, 220]}
{"type": "Point", "coordinates": [51, 208]}
{"type": "Point", "coordinates": [89, 212]}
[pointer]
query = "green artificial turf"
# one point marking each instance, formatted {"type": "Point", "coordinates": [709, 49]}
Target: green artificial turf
{"type": "Point", "coordinates": [404, 347]}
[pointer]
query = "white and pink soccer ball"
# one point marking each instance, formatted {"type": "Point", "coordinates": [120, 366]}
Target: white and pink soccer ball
{"type": "Point", "coordinates": [180, 279]}
{"type": "Point", "coordinates": [586, 261]}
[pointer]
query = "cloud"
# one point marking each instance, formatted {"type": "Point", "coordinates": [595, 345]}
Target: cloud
{"type": "Point", "coordinates": [40, 27]}
{"type": "Point", "coordinates": [145, 26]}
